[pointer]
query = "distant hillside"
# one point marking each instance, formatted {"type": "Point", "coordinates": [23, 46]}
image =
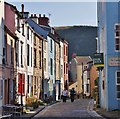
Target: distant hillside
{"type": "Point", "coordinates": [81, 39]}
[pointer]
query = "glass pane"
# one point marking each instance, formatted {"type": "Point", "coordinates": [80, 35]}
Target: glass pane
{"type": "Point", "coordinates": [118, 87]}
{"type": "Point", "coordinates": [117, 33]}
{"type": "Point", "coordinates": [118, 74]}
{"type": "Point", "coordinates": [117, 47]}
{"type": "Point", "coordinates": [117, 27]}
{"type": "Point", "coordinates": [118, 80]}
{"type": "Point", "coordinates": [117, 40]}
{"type": "Point", "coordinates": [118, 94]}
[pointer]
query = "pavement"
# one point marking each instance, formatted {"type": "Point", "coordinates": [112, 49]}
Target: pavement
{"type": "Point", "coordinates": [108, 114]}
{"type": "Point", "coordinates": [31, 114]}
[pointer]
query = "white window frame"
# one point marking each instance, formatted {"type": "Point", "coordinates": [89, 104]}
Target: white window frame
{"type": "Point", "coordinates": [117, 84]}
{"type": "Point", "coordinates": [116, 37]}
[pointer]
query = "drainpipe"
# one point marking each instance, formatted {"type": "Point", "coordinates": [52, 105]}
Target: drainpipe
{"type": "Point", "coordinates": [42, 91]}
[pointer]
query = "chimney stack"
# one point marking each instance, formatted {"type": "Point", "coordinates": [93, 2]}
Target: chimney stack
{"type": "Point", "coordinates": [43, 20]}
{"type": "Point", "coordinates": [22, 7]}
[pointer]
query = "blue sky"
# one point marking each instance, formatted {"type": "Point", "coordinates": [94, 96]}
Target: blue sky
{"type": "Point", "coordinates": [64, 13]}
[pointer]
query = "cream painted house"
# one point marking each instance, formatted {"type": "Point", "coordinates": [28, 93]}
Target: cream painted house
{"type": "Point", "coordinates": [76, 67]}
{"type": "Point", "coordinates": [57, 68]}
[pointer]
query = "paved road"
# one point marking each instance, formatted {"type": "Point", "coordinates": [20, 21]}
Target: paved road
{"type": "Point", "coordinates": [79, 108]}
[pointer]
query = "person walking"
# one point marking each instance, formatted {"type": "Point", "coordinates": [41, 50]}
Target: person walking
{"type": "Point", "coordinates": [72, 94]}
{"type": "Point", "coordinates": [64, 95]}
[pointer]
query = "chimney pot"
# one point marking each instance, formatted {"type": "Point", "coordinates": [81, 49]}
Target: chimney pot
{"type": "Point", "coordinates": [43, 15]}
{"type": "Point", "coordinates": [39, 15]}
{"type": "Point", "coordinates": [31, 15]}
{"type": "Point", "coordinates": [34, 15]}
{"type": "Point", "coordinates": [22, 7]}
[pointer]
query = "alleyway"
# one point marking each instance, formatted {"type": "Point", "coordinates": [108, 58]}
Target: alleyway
{"type": "Point", "coordinates": [79, 108]}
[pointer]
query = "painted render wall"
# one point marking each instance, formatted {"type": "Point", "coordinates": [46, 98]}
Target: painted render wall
{"type": "Point", "coordinates": [113, 103]}
{"type": "Point", "coordinates": [107, 20]}
{"type": "Point", "coordinates": [1, 50]}
{"type": "Point", "coordinates": [51, 56]}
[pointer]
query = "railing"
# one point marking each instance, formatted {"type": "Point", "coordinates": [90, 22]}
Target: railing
{"type": "Point", "coordinates": [12, 110]}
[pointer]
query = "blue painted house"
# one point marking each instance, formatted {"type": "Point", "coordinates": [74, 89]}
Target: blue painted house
{"type": "Point", "coordinates": [109, 44]}
{"type": "Point", "coordinates": [51, 60]}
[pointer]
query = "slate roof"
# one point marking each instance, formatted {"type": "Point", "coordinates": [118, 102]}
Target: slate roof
{"type": "Point", "coordinates": [83, 59]}
{"type": "Point", "coordinates": [37, 28]}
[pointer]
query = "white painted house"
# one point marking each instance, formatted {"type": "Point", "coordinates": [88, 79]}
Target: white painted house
{"type": "Point", "coordinates": [61, 66]}
{"type": "Point", "coordinates": [24, 50]}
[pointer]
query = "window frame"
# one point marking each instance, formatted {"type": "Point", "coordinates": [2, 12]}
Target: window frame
{"type": "Point", "coordinates": [117, 37]}
{"type": "Point", "coordinates": [117, 84]}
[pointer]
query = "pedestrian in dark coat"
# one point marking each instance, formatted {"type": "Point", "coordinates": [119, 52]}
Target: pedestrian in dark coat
{"type": "Point", "coordinates": [72, 94]}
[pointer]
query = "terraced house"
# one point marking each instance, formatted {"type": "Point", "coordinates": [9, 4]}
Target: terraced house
{"type": "Point", "coordinates": [33, 59]}
{"type": "Point", "coordinates": [9, 55]}
{"type": "Point", "coordinates": [109, 45]}
{"type": "Point", "coordinates": [1, 52]}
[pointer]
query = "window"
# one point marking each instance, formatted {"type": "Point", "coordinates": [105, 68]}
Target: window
{"type": "Point", "coordinates": [35, 58]}
{"type": "Point", "coordinates": [28, 84]}
{"type": "Point", "coordinates": [34, 40]}
{"type": "Point", "coordinates": [31, 85]}
{"type": "Point", "coordinates": [117, 44]}
{"type": "Point", "coordinates": [40, 59]}
{"type": "Point", "coordinates": [44, 45]}
{"type": "Point", "coordinates": [11, 52]}
{"type": "Point", "coordinates": [1, 92]}
{"type": "Point", "coordinates": [45, 64]}
{"type": "Point", "coordinates": [118, 84]}
{"type": "Point", "coordinates": [3, 60]}
{"type": "Point", "coordinates": [40, 42]}
{"type": "Point", "coordinates": [22, 29]}
{"type": "Point", "coordinates": [18, 24]}
{"type": "Point", "coordinates": [66, 50]}
{"type": "Point", "coordinates": [87, 85]}
{"type": "Point", "coordinates": [61, 71]}
{"type": "Point", "coordinates": [21, 54]}
{"type": "Point", "coordinates": [28, 33]}
{"type": "Point", "coordinates": [31, 35]}
{"type": "Point", "coordinates": [64, 68]}
{"type": "Point", "coordinates": [51, 45]}
{"type": "Point", "coordinates": [117, 37]}
{"type": "Point", "coordinates": [17, 52]}
{"type": "Point", "coordinates": [5, 50]}
{"type": "Point", "coordinates": [103, 84]}
{"type": "Point", "coordinates": [35, 86]}
{"type": "Point", "coordinates": [28, 54]}
{"type": "Point", "coordinates": [51, 66]}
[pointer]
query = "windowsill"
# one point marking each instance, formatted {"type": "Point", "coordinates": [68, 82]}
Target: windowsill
{"type": "Point", "coordinates": [18, 30]}
{"type": "Point", "coordinates": [23, 34]}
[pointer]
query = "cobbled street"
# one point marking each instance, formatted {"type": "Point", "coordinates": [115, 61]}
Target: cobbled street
{"type": "Point", "coordinates": [78, 108]}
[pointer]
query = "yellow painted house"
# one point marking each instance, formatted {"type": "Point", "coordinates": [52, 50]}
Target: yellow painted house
{"type": "Point", "coordinates": [76, 68]}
